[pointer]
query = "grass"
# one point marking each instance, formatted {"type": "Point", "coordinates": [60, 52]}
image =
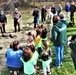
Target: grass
{"type": "Point", "coordinates": [67, 67]}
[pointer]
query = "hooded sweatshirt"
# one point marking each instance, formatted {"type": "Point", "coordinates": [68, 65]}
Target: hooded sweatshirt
{"type": "Point", "coordinates": [59, 34]}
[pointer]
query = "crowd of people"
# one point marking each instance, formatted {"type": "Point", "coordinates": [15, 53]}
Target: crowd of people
{"type": "Point", "coordinates": [48, 13]}
{"type": "Point", "coordinates": [38, 45]}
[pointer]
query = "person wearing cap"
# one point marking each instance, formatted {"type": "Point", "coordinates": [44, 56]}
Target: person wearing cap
{"type": "Point", "coordinates": [17, 17]}
{"type": "Point", "coordinates": [3, 21]}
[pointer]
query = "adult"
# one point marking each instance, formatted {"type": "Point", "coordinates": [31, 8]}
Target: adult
{"type": "Point", "coordinates": [43, 14]}
{"type": "Point", "coordinates": [3, 21]}
{"type": "Point", "coordinates": [72, 10]}
{"type": "Point", "coordinates": [67, 9]}
{"type": "Point", "coordinates": [63, 20]}
{"type": "Point", "coordinates": [49, 16]}
{"type": "Point", "coordinates": [72, 44]}
{"type": "Point", "coordinates": [59, 9]}
{"type": "Point", "coordinates": [36, 16]}
{"type": "Point", "coordinates": [53, 10]}
{"type": "Point", "coordinates": [59, 39]}
{"type": "Point", "coordinates": [13, 55]}
{"type": "Point", "coordinates": [17, 17]}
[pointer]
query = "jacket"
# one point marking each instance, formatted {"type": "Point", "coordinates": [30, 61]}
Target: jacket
{"type": "Point", "coordinates": [16, 15]}
{"type": "Point", "coordinates": [59, 34]}
{"type": "Point", "coordinates": [3, 18]}
{"type": "Point", "coordinates": [72, 8]}
{"type": "Point", "coordinates": [67, 8]}
{"type": "Point", "coordinates": [43, 12]}
{"type": "Point", "coordinates": [73, 48]}
{"type": "Point", "coordinates": [13, 58]}
{"type": "Point", "coordinates": [36, 14]}
{"type": "Point", "coordinates": [53, 10]}
{"type": "Point", "coordinates": [64, 21]}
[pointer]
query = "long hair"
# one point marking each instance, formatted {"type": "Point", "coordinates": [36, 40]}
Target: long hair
{"type": "Point", "coordinates": [32, 47]}
{"type": "Point", "coordinates": [46, 45]}
{"type": "Point", "coordinates": [38, 33]}
{"type": "Point", "coordinates": [26, 56]}
{"type": "Point", "coordinates": [11, 45]}
{"type": "Point", "coordinates": [29, 33]}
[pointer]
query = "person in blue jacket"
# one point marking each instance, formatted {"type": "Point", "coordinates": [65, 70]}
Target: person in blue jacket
{"type": "Point", "coordinates": [13, 55]}
{"type": "Point", "coordinates": [67, 9]}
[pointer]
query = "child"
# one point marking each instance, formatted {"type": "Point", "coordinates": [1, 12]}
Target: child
{"type": "Point", "coordinates": [46, 59]}
{"type": "Point", "coordinates": [44, 33]}
{"type": "Point", "coordinates": [29, 60]}
{"type": "Point", "coordinates": [30, 36]}
{"type": "Point", "coordinates": [34, 54]}
{"type": "Point", "coordinates": [13, 55]}
{"type": "Point", "coordinates": [38, 41]}
{"type": "Point", "coordinates": [30, 42]}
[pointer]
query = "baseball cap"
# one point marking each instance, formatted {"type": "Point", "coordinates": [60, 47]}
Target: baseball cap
{"type": "Point", "coordinates": [16, 9]}
{"type": "Point", "coordinates": [1, 12]}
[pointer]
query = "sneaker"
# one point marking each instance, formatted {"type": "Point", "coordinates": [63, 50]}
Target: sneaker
{"type": "Point", "coordinates": [45, 22]}
{"type": "Point", "coordinates": [58, 67]}
{"type": "Point", "coordinates": [61, 63]}
{"type": "Point", "coordinates": [49, 72]}
{"type": "Point", "coordinates": [11, 71]}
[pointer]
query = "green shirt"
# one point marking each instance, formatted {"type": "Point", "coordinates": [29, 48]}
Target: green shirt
{"type": "Point", "coordinates": [29, 66]}
{"type": "Point", "coordinates": [45, 63]}
{"type": "Point", "coordinates": [35, 56]}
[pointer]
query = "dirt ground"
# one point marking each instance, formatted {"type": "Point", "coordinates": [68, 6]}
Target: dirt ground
{"type": "Point", "coordinates": [5, 42]}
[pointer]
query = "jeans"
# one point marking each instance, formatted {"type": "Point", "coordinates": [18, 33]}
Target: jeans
{"type": "Point", "coordinates": [67, 15]}
{"type": "Point", "coordinates": [36, 22]}
{"type": "Point", "coordinates": [59, 54]}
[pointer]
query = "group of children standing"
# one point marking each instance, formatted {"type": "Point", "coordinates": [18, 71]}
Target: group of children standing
{"type": "Point", "coordinates": [37, 47]}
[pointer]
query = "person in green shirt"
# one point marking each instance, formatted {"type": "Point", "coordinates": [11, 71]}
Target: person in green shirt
{"type": "Point", "coordinates": [46, 58]}
{"type": "Point", "coordinates": [29, 60]}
